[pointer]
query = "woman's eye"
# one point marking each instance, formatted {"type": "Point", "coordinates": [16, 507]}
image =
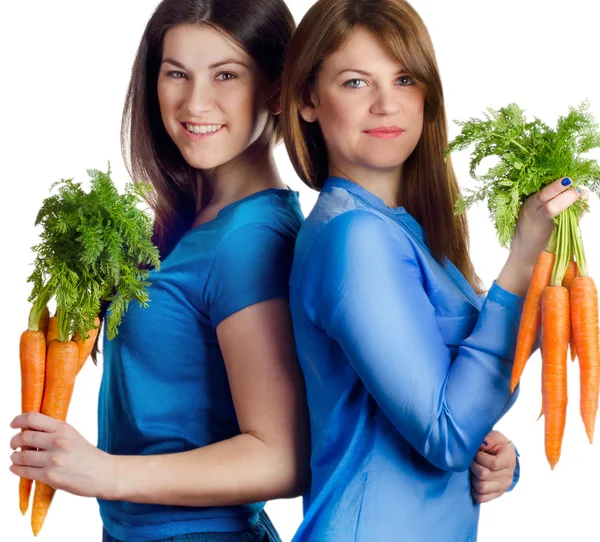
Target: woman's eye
{"type": "Point", "coordinates": [406, 80]}
{"type": "Point", "coordinates": [354, 83]}
{"type": "Point", "coordinates": [226, 76]}
{"type": "Point", "coordinates": [176, 74]}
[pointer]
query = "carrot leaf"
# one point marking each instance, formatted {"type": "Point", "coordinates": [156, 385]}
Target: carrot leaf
{"type": "Point", "coordinates": [93, 245]}
{"type": "Point", "coordinates": [529, 156]}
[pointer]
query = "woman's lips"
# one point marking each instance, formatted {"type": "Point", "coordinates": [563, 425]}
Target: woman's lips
{"type": "Point", "coordinates": [385, 132]}
{"type": "Point", "coordinates": [199, 136]}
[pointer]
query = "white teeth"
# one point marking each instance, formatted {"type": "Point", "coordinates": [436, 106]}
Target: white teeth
{"type": "Point", "coordinates": [204, 129]}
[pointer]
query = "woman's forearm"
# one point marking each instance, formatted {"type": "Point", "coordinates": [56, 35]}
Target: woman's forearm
{"type": "Point", "coordinates": [239, 470]}
{"type": "Point", "coordinates": [515, 276]}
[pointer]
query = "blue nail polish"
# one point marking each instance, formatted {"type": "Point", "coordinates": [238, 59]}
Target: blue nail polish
{"type": "Point", "coordinates": [485, 443]}
{"type": "Point", "coordinates": [566, 181]}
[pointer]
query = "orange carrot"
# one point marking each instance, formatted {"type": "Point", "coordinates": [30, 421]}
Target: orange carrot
{"type": "Point", "coordinates": [44, 318]}
{"type": "Point", "coordinates": [556, 326]}
{"type": "Point", "coordinates": [584, 312]}
{"type": "Point", "coordinates": [85, 347]}
{"type": "Point", "coordinates": [62, 361]}
{"type": "Point", "coordinates": [52, 332]}
{"type": "Point", "coordinates": [530, 319]}
{"type": "Point", "coordinates": [542, 407]}
{"type": "Point", "coordinates": [570, 274]}
{"type": "Point", "coordinates": [32, 353]}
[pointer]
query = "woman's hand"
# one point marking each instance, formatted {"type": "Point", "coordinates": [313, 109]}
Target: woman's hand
{"type": "Point", "coordinates": [533, 231]}
{"type": "Point", "coordinates": [493, 468]}
{"type": "Point", "coordinates": [60, 456]}
{"type": "Point", "coordinates": [535, 224]}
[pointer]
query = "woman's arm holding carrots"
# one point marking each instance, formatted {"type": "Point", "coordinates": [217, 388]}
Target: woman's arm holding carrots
{"type": "Point", "coordinates": [365, 288]}
{"type": "Point", "coordinates": [268, 460]}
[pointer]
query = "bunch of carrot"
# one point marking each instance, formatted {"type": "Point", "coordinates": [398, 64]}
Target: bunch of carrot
{"type": "Point", "coordinates": [562, 301]}
{"type": "Point", "coordinates": [49, 364]}
{"type": "Point", "coordinates": [96, 248]}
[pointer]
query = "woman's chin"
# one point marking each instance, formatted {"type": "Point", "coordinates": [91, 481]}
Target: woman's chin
{"type": "Point", "coordinates": [383, 165]}
{"type": "Point", "coordinates": [203, 162]}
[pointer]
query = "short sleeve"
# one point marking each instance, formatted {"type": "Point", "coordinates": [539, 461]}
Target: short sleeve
{"type": "Point", "coordinates": [251, 265]}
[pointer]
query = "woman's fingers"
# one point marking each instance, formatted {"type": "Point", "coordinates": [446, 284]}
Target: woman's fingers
{"type": "Point", "coordinates": [36, 421]}
{"type": "Point", "coordinates": [30, 439]}
{"type": "Point", "coordinates": [548, 193]}
{"type": "Point", "coordinates": [502, 458]}
{"type": "Point", "coordinates": [560, 202]}
{"type": "Point", "coordinates": [29, 458]}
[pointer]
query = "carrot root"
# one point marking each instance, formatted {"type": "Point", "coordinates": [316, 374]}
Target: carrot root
{"type": "Point", "coordinates": [556, 327]}
{"type": "Point", "coordinates": [24, 494]}
{"type": "Point", "coordinates": [531, 316]}
{"type": "Point", "coordinates": [584, 313]}
{"type": "Point", "coordinates": [32, 354]}
{"type": "Point", "coordinates": [44, 319]}
{"type": "Point", "coordinates": [52, 333]}
{"type": "Point", "coordinates": [570, 275]}
{"type": "Point", "coordinates": [85, 347]}
{"type": "Point", "coordinates": [61, 369]}
{"type": "Point", "coordinates": [42, 498]}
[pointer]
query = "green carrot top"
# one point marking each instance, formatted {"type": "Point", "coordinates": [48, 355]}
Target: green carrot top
{"type": "Point", "coordinates": [530, 156]}
{"type": "Point", "coordinates": [92, 247]}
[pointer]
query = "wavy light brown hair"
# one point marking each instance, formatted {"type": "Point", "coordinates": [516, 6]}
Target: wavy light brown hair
{"type": "Point", "coordinates": [429, 187]}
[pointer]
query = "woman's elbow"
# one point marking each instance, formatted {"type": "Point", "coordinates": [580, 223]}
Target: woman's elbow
{"type": "Point", "coordinates": [294, 473]}
{"type": "Point", "coordinates": [447, 457]}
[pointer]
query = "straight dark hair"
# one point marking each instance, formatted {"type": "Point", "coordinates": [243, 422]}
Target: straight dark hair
{"type": "Point", "coordinates": [263, 28]}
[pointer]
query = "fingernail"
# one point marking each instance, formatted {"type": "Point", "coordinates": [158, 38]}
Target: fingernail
{"type": "Point", "coordinates": [578, 191]}
{"type": "Point", "coordinates": [485, 443]}
{"type": "Point", "coordinates": [566, 181]}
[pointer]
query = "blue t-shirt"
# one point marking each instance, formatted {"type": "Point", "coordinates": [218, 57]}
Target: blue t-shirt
{"type": "Point", "coordinates": [164, 384]}
{"type": "Point", "coordinates": [406, 368]}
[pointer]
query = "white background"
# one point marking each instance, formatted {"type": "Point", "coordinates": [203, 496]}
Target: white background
{"type": "Point", "coordinates": [64, 72]}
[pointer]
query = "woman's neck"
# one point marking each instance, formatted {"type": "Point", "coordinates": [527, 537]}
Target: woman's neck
{"type": "Point", "coordinates": [385, 184]}
{"type": "Point", "coordinates": [247, 173]}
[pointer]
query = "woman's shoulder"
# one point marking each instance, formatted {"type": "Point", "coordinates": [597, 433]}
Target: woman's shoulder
{"type": "Point", "coordinates": [273, 209]}
{"type": "Point", "coordinates": [339, 218]}
{"type": "Point", "coordinates": [336, 235]}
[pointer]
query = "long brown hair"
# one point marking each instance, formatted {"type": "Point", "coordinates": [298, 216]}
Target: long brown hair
{"type": "Point", "coordinates": [429, 187]}
{"type": "Point", "coordinates": [263, 28]}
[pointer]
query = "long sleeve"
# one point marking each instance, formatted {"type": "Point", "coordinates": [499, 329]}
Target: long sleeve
{"type": "Point", "coordinates": [517, 473]}
{"type": "Point", "coordinates": [364, 287]}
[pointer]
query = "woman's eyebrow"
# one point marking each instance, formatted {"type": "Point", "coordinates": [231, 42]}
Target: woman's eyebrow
{"type": "Point", "coordinates": [367, 74]}
{"type": "Point", "coordinates": [170, 60]}
{"type": "Point", "coordinates": [228, 61]}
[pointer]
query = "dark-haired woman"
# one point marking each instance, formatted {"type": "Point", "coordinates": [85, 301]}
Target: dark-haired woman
{"type": "Point", "coordinates": [407, 367]}
{"type": "Point", "coordinates": [201, 409]}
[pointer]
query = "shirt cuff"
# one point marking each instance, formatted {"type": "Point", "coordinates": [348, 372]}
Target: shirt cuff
{"type": "Point", "coordinates": [505, 298]}
{"type": "Point", "coordinates": [517, 473]}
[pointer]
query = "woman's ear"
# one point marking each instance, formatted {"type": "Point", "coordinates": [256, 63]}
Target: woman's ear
{"type": "Point", "coordinates": [308, 105]}
{"type": "Point", "coordinates": [273, 105]}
